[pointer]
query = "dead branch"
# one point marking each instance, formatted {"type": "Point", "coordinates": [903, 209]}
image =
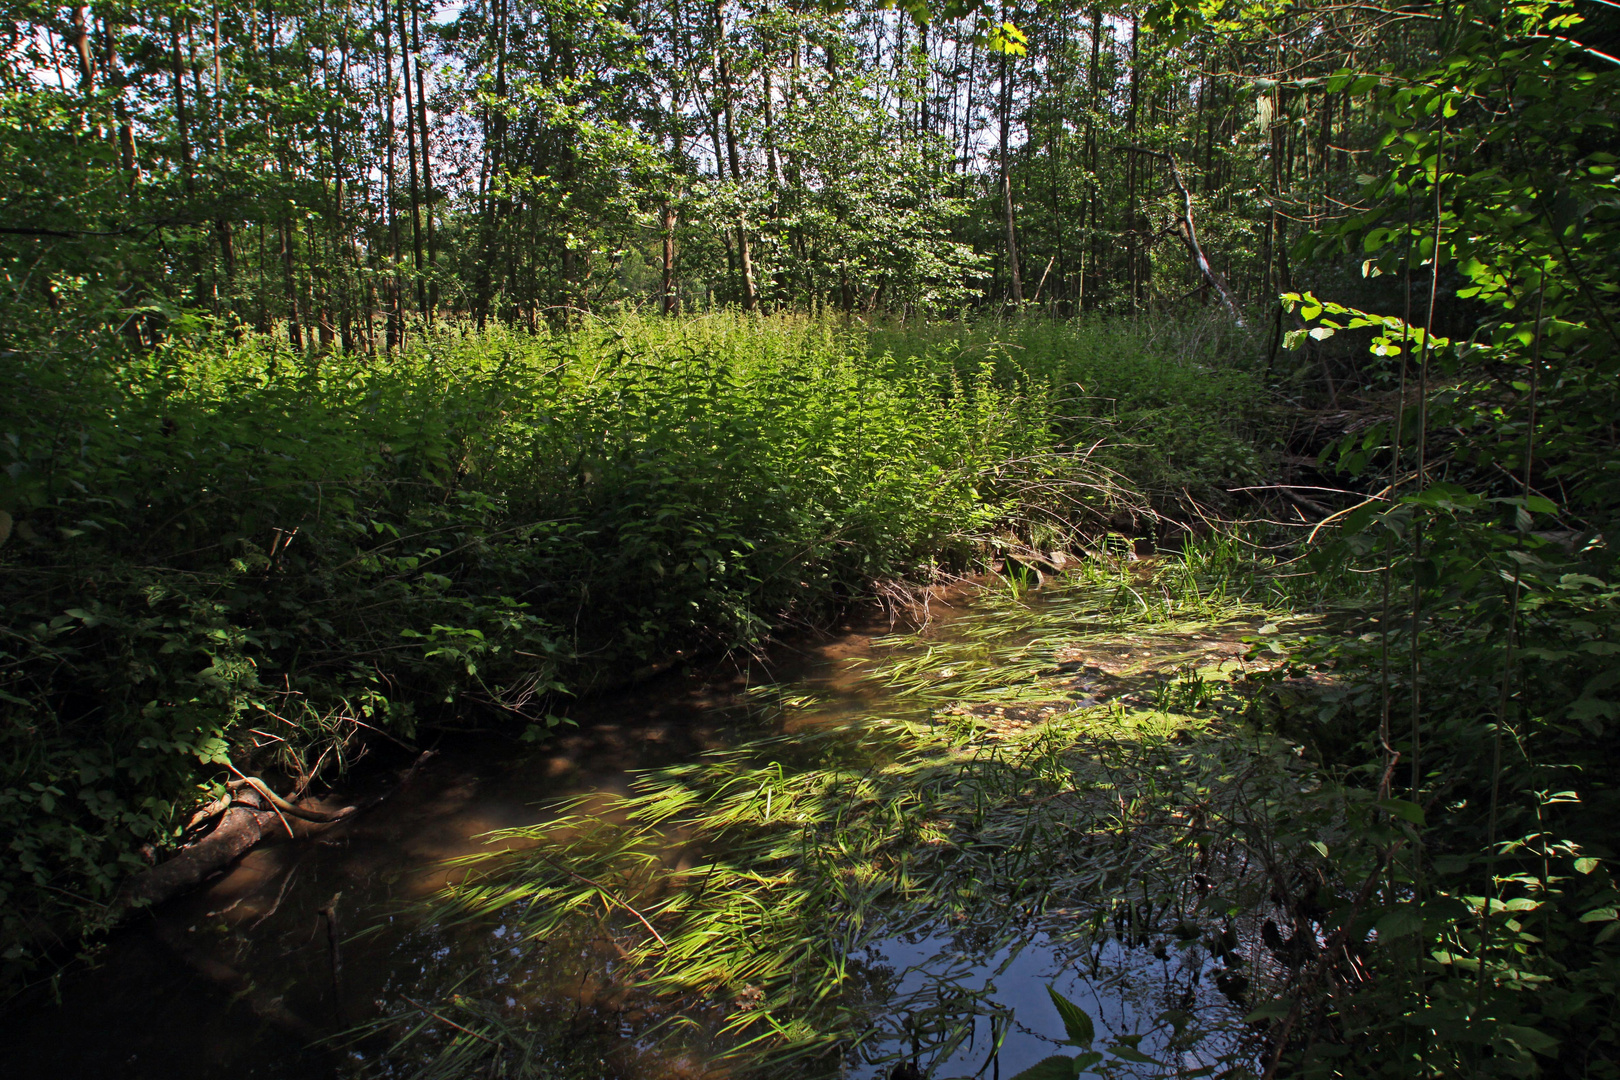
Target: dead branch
{"type": "Point", "coordinates": [1189, 235]}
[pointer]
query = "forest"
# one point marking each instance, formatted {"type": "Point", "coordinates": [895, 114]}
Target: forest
{"type": "Point", "coordinates": [1214, 401]}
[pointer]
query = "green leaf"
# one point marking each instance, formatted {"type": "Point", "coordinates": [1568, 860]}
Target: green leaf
{"type": "Point", "coordinates": [1403, 921]}
{"type": "Point", "coordinates": [1275, 1009]}
{"type": "Point", "coordinates": [1585, 866]}
{"type": "Point", "coordinates": [1131, 1053]}
{"type": "Point", "coordinates": [1602, 914]}
{"type": "Point", "coordinates": [1590, 708]}
{"type": "Point", "coordinates": [1570, 580]}
{"type": "Point", "coordinates": [1056, 1067]}
{"type": "Point", "coordinates": [1536, 1041]}
{"type": "Point", "coordinates": [1400, 808]}
{"type": "Point", "coordinates": [1075, 1021]}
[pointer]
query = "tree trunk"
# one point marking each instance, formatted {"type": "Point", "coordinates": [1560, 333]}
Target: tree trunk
{"type": "Point", "coordinates": [494, 206]}
{"type": "Point", "coordinates": [1093, 188]}
{"type": "Point", "coordinates": [669, 259]}
{"type": "Point", "coordinates": [723, 66]}
{"type": "Point", "coordinates": [295, 333]}
{"type": "Point", "coordinates": [427, 168]}
{"type": "Point", "coordinates": [126, 127]}
{"type": "Point", "coordinates": [1017, 294]}
{"type": "Point", "coordinates": [410, 155]}
{"type": "Point", "coordinates": [1132, 215]}
{"type": "Point", "coordinates": [395, 334]}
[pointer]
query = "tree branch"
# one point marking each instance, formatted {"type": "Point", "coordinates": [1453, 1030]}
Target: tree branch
{"type": "Point", "coordinates": [1189, 235]}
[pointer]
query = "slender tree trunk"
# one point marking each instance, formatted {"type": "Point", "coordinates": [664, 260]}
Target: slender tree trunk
{"type": "Point", "coordinates": [669, 259]}
{"type": "Point", "coordinates": [396, 320]}
{"type": "Point", "coordinates": [1132, 215]}
{"type": "Point", "coordinates": [723, 66]}
{"type": "Point", "coordinates": [114, 76]}
{"type": "Point", "coordinates": [295, 333]}
{"type": "Point", "coordinates": [182, 126]}
{"type": "Point", "coordinates": [1093, 185]}
{"type": "Point", "coordinates": [410, 155]}
{"type": "Point", "coordinates": [427, 168]}
{"type": "Point", "coordinates": [1054, 153]}
{"type": "Point", "coordinates": [182, 123]}
{"type": "Point", "coordinates": [771, 154]}
{"type": "Point", "coordinates": [495, 204]}
{"type": "Point", "coordinates": [81, 46]}
{"type": "Point", "coordinates": [1017, 295]}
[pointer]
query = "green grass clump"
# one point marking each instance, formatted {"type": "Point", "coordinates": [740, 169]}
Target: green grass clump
{"type": "Point", "coordinates": [219, 552]}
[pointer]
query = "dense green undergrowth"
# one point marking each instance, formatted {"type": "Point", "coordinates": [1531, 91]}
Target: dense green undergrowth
{"type": "Point", "coordinates": [221, 555]}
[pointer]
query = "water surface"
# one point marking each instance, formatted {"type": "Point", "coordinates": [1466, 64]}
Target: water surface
{"type": "Point", "coordinates": [159, 1000]}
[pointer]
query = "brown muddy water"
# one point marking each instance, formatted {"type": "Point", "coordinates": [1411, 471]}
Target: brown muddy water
{"type": "Point", "coordinates": [163, 998]}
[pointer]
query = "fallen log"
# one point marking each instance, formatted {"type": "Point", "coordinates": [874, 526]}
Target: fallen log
{"type": "Point", "coordinates": [245, 821]}
{"type": "Point", "coordinates": [1189, 236]}
{"type": "Point", "coordinates": [250, 813]}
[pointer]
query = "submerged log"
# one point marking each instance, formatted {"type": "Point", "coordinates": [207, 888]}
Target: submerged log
{"type": "Point", "coordinates": [243, 824]}
{"type": "Point", "coordinates": [253, 813]}
{"type": "Point", "coordinates": [267, 1007]}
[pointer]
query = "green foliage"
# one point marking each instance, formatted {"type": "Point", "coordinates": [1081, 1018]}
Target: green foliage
{"type": "Point", "coordinates": [1077, 1025]}
{"type": "Point", "coordinates": [222, 553]}
{"type": "Point", "coordinates": [1476, 718]}
{"type": "Point", "coordinates": [1171, 409]}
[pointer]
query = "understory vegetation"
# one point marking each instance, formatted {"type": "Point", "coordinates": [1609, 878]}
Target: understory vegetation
{"type": "Point", "coordinates": [227, 558]}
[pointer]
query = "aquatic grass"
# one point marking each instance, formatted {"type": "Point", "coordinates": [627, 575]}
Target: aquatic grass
{"type": "Point", "coordinates": [741, 896]}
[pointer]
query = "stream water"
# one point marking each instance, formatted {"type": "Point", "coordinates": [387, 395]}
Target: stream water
{"type": "Point", "coordinates": [157, 1000]}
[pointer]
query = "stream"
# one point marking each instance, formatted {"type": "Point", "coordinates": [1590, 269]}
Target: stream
{"type": "Point", "coordinates": [157, 1000]}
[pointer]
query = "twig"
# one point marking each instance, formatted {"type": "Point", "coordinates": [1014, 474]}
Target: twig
{"type": "Point", "coordinates": [1048, 270]}
{"type": "Point", "coordinates": [1294, 487]}
{"type": "Point", "coordinates": [269, 797]}
{"type": "Point", "coordinates": [607, 894]}
{"type": "Point", "coordinates": [333, 938]}
{"type": "Point", "coordinates": [1380, 497]}
{"type": "Point", "coordinates": [286, 883]}
{"type": "Point", "coordinates": [447, 1020]}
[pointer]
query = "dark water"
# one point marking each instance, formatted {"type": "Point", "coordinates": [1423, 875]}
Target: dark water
{"type": "Point", "coordinates": [162, 1001]}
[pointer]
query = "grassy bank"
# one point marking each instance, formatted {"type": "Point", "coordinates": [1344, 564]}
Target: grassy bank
{"type": "Point", "coordinates": [220, 555]}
